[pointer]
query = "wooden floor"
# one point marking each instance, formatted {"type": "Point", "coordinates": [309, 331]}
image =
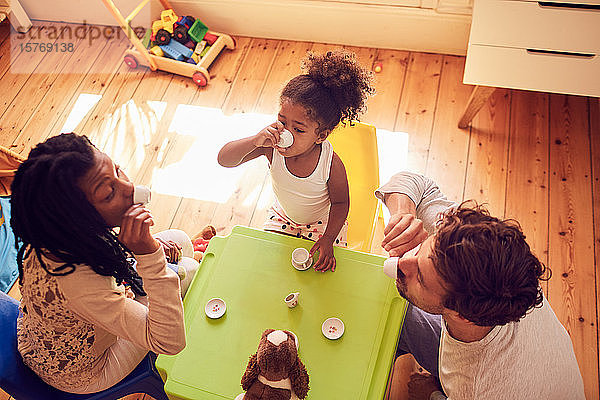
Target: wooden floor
{"type": "Point", "coordinates": [532, 156]}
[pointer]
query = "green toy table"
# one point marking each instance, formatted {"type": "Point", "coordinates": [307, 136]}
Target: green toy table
{"type": "Point", "coordinates": [251, 270]}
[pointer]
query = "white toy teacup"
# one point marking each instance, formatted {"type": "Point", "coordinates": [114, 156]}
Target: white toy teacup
{"type": "Point", "coordinates": [286, 139]}
{"type": "Point", "coordinates": [141, 195]}
{"type": "Point", "coordinates": [292, 299]}
{"type": "Point", "coordinates": [301, 259]}
{"type": "Point", "coordinates": [390, 267]}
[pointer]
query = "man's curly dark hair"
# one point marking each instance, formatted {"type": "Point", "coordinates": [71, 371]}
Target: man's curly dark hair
{"type": "Point", "coordinates": [489, 272]}
{"type": "Point", "coordinates": [333, 88]}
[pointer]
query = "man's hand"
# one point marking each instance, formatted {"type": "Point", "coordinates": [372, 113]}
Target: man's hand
{"type": "Point", "coordinates": [421, 386]}
{"type": "Point", "coordinates": [403, 233]}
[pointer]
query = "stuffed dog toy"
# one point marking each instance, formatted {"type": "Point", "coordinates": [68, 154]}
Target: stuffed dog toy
{"type": "Point", "coordinates": [275, 371]}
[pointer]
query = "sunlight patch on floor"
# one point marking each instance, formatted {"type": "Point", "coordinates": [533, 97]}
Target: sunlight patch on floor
{"type": "Point", "coordinates": [197, 174]}
{"type": "Point", "coordinates": [84, 103]}
{"type": "Point", "coordinates": [392, 148]}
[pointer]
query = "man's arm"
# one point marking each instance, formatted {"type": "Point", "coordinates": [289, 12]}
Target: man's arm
{"type": "Point", "coordinates": [425, 194]}
{"type": "Point", "coordinates": [399, 203]}
{"type": "Point", "coordinates": [404, 231]}
{"type": "Point", "coordinates": [415, 203]}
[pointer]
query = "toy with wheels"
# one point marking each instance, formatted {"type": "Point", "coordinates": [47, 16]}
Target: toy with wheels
{"type": "Point", "coordinates": [181, 28]}
{"type": "Point", "coordinates": [163, 29]}
{"type": "Point", "coordinates": [200, 78]}
{"type": "Point", "coordinates": [168, 34]}
{"type": "Point", "coordinates": [130, 61]}
{"type": "Point", "coordinates": [162, 37]}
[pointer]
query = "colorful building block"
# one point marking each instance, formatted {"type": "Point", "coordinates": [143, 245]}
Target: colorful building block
{"type": "Point", "coordinates": [146, 38]}
{"type": "Point", "coordinates": [195, 57]}
{"type": "Point", "coordinates": [187, 53]}
{"type": "Point", "coordinates": [187, 21]}
{"type": "Point", "coordinates": [210, 38]}
{"type": "Point", "coordinates": [198, 30]}
{"type": "Point", "coordinates": [200, 46]}
{"type": "Point", "coordinates": [157, 51]}
{"type": "Point", "coordinates": [156, 25]}
{"type": "Point", "coordinates": [171, 52]}
{"type": "Point", "coordinates": [206, 49]}
{"type": "Point", "coordinates": [176, 50]}
{"type": "Point", "coordinates": [167, 19]}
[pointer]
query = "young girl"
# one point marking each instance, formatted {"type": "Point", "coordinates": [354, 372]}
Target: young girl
{"type": "Point", "coordinates": [309, 179]}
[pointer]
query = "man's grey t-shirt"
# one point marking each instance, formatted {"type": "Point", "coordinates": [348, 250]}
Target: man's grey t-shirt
{"type": "Point", "coordinates": [529, 359]}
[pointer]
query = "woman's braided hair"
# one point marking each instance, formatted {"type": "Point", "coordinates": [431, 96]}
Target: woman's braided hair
{"type": "Point", "coordinates": [51, 214]}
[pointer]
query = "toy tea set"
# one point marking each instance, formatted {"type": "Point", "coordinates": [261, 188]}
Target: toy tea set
{"type": "Point", "coordinates": [275, 371]}
{"type": "Point", "coordinates": [332, 328]}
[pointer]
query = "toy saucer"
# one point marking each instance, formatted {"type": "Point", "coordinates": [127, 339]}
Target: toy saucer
{"type": "Point", "coordinates": [332, 328]}
{"type": "Point", "coordinates": [215, 308]}
{"type": "Point", "coordinates": [302, 268]}
{"type": "Point", "coordinates": [301, 259]}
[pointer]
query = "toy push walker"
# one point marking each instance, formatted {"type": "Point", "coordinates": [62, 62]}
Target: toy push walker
{"type": "Point", "coordinates": [202, 56]}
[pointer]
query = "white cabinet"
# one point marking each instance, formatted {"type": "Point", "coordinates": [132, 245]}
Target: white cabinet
{"type": "Point", "coordinates": [544, 46]}
{"type": "Point", "coordinates": [399, 3]}
{"type": "Point", "coordinates": [441, 6]}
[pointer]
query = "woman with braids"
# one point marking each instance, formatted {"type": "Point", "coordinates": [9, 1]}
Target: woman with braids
{"type": "Point", "coordinates": [79, 328]}
{"type": "Point", "coordinates": [309, 179]}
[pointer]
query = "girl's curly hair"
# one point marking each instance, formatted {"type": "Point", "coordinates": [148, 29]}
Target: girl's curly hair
{"type": "Point", "coordinates": [333, 88]}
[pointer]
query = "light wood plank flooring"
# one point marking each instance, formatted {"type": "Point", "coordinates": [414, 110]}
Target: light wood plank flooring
{"type": "Point", "coordinates": [531, 156]}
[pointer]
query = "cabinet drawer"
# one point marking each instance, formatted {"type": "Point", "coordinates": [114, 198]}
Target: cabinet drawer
{"type": "Point", "coordinates": [528, 25]}
{"type": "Point", "coordinates": [399, 3]}
{"type": "Point", "coordinates": [520, 69]}
{"type": "Point", "coordinates": [568, 2]}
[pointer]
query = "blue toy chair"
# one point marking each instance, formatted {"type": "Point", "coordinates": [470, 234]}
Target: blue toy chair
{"type": "Point", "coordinates": [356, 145]}
{"type": "Point", "coordinates": [23, 384]}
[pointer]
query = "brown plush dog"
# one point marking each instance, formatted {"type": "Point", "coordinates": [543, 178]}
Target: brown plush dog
{"type": "Point", "coordinates": [275, 371]}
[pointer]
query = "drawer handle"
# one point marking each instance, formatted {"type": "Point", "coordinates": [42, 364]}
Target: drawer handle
{"type": "Point", "coordinates": [555, 4]}
{"type": "Point", "coordinates": [561, 53]}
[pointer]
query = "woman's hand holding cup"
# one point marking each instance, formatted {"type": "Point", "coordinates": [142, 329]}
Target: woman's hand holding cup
{"type": "Point", "coordinates": [135, 230]}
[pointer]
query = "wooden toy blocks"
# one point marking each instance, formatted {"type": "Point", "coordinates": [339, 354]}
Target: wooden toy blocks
{"type": "Point", "coordinates": [198, 30]}
{"type": "Point", "coordinates": [176, 50]}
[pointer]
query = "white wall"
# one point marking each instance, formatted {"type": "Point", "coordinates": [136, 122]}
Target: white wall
{"type": "Point", "coordinates": [90, 11]}
{"type": "Point", "coordinates": [396, 24]}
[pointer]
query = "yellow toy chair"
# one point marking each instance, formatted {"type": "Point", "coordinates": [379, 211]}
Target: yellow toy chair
{"type": "Point", "coordinates": [356, 144]}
